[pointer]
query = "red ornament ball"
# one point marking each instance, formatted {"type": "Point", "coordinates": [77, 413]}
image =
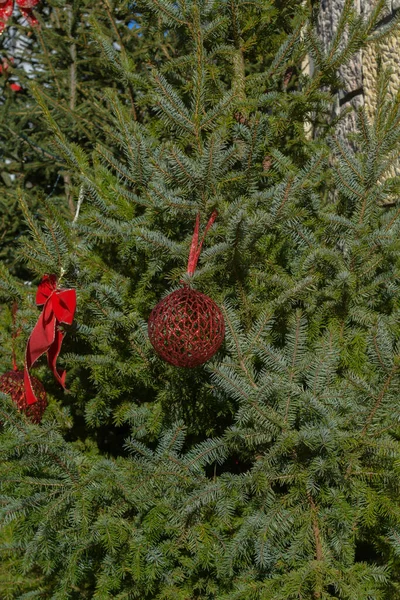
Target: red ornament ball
{"type": "Point", "coordinates": [186, 328]}
{"type": "Point", "coordinates": [12, 383]}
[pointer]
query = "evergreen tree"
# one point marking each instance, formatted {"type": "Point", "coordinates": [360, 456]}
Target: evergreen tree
{"type": "Point", "coordinates": [272, 472]}
{"type": "Point", "coordinates": [63, 60]}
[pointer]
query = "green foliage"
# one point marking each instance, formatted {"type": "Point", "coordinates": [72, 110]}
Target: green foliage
{"type": "Point", "coordinates": [273, 471]}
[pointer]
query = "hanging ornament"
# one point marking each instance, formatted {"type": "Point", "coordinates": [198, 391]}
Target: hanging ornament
{"type": "Point", "coordinates": [187, 328]}
{"type": "Point", "coordinates": [12, 383]}
{"type": "Point", "coordinates": [58, 307]}
{"type": "Point", "coordinates": [25, 6]}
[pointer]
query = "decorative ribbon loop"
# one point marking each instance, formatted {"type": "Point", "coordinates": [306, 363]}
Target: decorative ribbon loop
{"type": "Point", "coordinates": [59, 307]}
{"type": "Point", "coordinates": [195, 247]}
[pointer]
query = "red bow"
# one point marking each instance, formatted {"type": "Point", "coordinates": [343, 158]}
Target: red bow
{"type": "Point", "coordinates": [59, 307]}
{"type": "Point", "coordinates": [25, 6]}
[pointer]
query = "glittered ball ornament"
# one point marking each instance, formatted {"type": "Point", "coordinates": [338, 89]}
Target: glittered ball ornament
{"type": "Point", "coordinates": [12, 384]}
{"type": "Point", "coordinates": [187, 328]}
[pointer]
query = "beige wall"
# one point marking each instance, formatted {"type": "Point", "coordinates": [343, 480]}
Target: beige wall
{"type": "Point", "coordinates": [359, 76]}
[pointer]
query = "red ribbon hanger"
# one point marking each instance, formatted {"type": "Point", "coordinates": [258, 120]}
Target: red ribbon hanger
{"type": "Point", "coordinates": [195, 247]}
{"type": "Point", "coordinates": [58, 307]}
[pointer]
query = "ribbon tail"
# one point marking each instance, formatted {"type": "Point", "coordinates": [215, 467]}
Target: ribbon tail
{"type": "Point", "coordinates": [29, 393]}
{"type": "Point", "coordinates": [52, 355]}
{"type": "Point", "coordinates": [39, 342]}
{"type": "Point", "coordinates": [40, 339]}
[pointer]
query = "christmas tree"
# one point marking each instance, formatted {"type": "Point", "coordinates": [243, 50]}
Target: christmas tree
{"type": "Point", "coordinates": [271, 471]}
